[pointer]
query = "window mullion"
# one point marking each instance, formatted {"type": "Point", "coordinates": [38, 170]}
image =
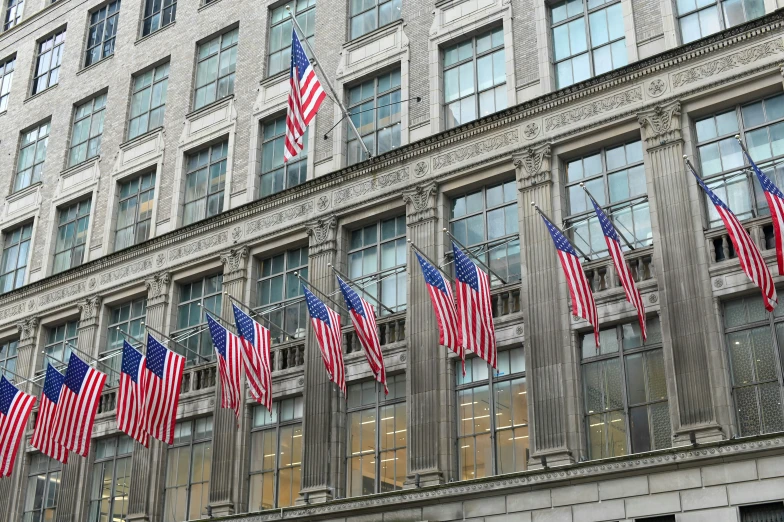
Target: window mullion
{"type": "Point", "coordinates": [378, 439]}
{"type": "Point", "coordinates": [491, 393]}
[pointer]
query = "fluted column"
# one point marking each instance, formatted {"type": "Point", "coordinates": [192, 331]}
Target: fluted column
{"type": "Point", "coordinates": [430, 434]}
{"type": "Point", "coordinates": [544, 301]}
{"type": "Point", "coordinates": [321, 455]}
{"type": "Point", "coordinates": [148, 469]}
{"type": "Point", "coordinates": [682, 276]}
{"type": "Point", "coordinates": [225, 438]}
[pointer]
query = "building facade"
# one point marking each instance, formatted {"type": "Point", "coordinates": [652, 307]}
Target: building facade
{"type": "Point", "coordinates": [143, 183]}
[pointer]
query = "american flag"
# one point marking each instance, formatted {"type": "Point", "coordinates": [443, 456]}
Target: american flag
{"type": "Point", "coordinates": [43, 438]}
{"type": "Point", "coordinates": [305, 98]}
{"type": "Point", "coordinates": [474, 308]}
{"type": "Point", "coordinates": [256, 354]}
{"type": "Point", "coordinates": [363, 317]}
{"type": "Point", "coordinates": [326, 323]}
{"type": "Point", "coordinates": [776, 203]}
{"type": "Point", "coordinates": [79, 398]}
{"type": "Point", "coordinates": [583, 304]}
{"type": "Point", "coordinates": [15, 408]}
{"type": "Point", "coordinates": [229, 349]}
{"type": "Point", "coordinates": [163, 370]}
{"type": "Point", "coordinates": [624, 274]}
{"type": "Point", "coordinates": [131, 416]}
{"type": "Point", "coordinates": [750, 258]}
{"type": "Point", "coordinates": [444, 307]}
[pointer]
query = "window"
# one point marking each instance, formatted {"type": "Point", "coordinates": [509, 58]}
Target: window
{"type": "Point", "coordinates": [16, 247]}
{"type": "Point", "coordinates": [367, 15]}
{"type": "Point", "coordinates": [32, 154]}
{"type": "Point", "coordinates": [376, 461]}
{"type": "Point", "coordinates": [13, 13]}
{"type": "Point", "coordinates": [59, 341]}
{"type": "Point", "coordinates": [148, 101]}
{"type": "Point", "coordinates": [134, 213]}
{"type": "Point", "coordinates": [188, 464]}
{"type": "Point", "coordinates": [87, 130]}
{"type": "Point", "coordinates": [616, 178]}
{"type": "Point", "coordinates": [374, 106]}
{"type": "Point", "coordinates": [753, 339]}
{"type": "Point", "coordinates": [700, 18]}
{"type": "Point", "coordinates": [280, 294]}
{"type": "Point", "coordinates": [205, 182]}
{"type": "Point", "coordinates": [43, 483]}
{"type": "Point", "coordinates": [761, 127]}
{"type": "Point", "coordinates": [377, 263]}
{"type": "Point", "coordinates": [217, 62]}
{"type": "Point", "coordinates": [474, 66]}
{"type": "Point", "coordinates": [124, 319]}
{"type": "Point", "coordinates": [773, 512]}
{"type": "Point", "coordinates": [193, 341]}
{"type": "Point", "coordinates": [576, 60]}
{"type": "Point", "coordinates": [625, 391]}
{"type": "Point", "coordinates": [6, 75]}
{"type": "Point", "coordinates": [111, 476]}
{"type": "Point", "coordinates": [279, 58]}
{"type": "Point", "coordinates": [485, 221]}
{"type": "Point", "coordinates": [503, 412]}
{"type": "Point", "coordinates": [47, 65]}
{"type": "Point", "coordinates": [158, 14]}
{"type": "Point", "coordinates": [8, 354]}
{"type": "Point", "coordinates": [71, 236]}
{"type": "Point", "coordinates": [275, 174]}
{"type": "Point", "coordinates": [275, 455]}
{"type": "Point", "coordinates": [102, 32]}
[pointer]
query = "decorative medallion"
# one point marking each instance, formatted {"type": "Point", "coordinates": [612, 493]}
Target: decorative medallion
{"type": "Point", "coordinates": [657, 87]}
{"type": "Point", "coordinates": [421, 169]}
{"type": "Point", "coordinates": [31, 304]}
{"type": "Point", "coordinates": [519, 329]}
{"type": "Point", "coordinates": [531, 130]}
{"type": "Point", "coordinates": [323, 203]}
{"type": "Point", "coordinates": [653, 298]}
{"type": "Point", "coordinates": [718, 282]}
{"type": "Point", "coordinates": [403, 357]}
{"type": "Point", "coordinates": [161, 259]}
{"type": "Point", "coordinates": [301, 381]}
{"type": "Point", "coordinates": [91, 283]}
{"type": "Point", "coordinates": [236, 233]}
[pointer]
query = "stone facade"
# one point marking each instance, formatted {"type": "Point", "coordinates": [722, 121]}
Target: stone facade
{"type": "Point", "coordinates": [712, 471]}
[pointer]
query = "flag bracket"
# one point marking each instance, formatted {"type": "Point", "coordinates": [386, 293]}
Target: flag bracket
{"type": "Point", "coordinates": [468, 252]}
{"type": "Point", "coordinates": [163, 335]}
{"type": "Point", "coordinates": [255, 313]}
{"type": "Point", "coordinates": [325, 295]}
{"type": "Point", "coordinates": [582, 185]}
{"type": "Point", "coordinates": [5, 370]}
{"type": "Point", "coordinates": [541, 213]}
{"type": "Point", "coordinates": [90, 357]}
{"type": "Point", "coordinates": [413, 246]}
{"type": "Point", "coordinates": [351, 281]}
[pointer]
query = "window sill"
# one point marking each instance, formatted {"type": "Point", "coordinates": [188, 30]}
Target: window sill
{"type": "Point", "coordinates": [3, 113]}
{"type": "Point", "coordinates": [207, 5]}
{"type": "Point", "coordinates": [95, 64]}
{"type": "Point", "coordinates": [80, 166]}
{"type": "Point", "coordinates": [359, 40]}
{"type": "Point", "coordinates": [147, 37]}
{"type": "Point", "coordinates": [141, 137]}
{"type": "Point", "coordinates": [209, 107]}
{"type": "Point", "coordinates": [41, 93]}
{"type": "Point", "coordinates": [275, 78]}
{"type": "Point", "coordinates": [19, 194]}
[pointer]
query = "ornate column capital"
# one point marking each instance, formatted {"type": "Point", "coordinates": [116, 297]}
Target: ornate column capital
{"type": "Point", "coordinates": [89, 308]}
{"type": "Point", "coordinates": [27, 328]}
{"type": "Point", "coordinates": [234, 262]}
{"type": "Point", "coordinates": [533, 167]}
{"type": "Point", "coordinates": [322, 232]}
{"type": "Point", "coordinates": [157, 288]}
{"type": "Point", "coordinates": [421, 202]}
{"type": "Point", "coordinates": [662, 124]}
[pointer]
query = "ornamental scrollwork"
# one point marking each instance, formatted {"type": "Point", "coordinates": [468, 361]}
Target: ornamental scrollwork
{"type": "Point", "coordinates": [89, 307]}
{"type": "Point", "coordinates": [27, 328]}
{"type": "Point", "coordinates": [157, 285]}
{"type": "Point", "coordinates": [234, 259]}
{"type": "Point", "coordinates": [662, 123]}
{"type": "Point", "coordinates": [534, 166]}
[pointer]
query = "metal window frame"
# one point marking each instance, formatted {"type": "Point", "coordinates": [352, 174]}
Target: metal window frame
{"type": "Point", "coordinates": [96, 461]}
{"type": "Point", "coordinates": [51, 344]}
{"type": "Point", "coordinates": [38, 140]}
{"type": "Point", "coordinates": [138, 194]}
{"type": "Point", "coordinates": [53, 466]}
{"type": "Point", "coordinates": [38, 52]}
{"type": "Point", "coordinates": [190, 445]}
{"type": "Point", "coordinates": [76, 220]}
{"type": "Point", "coordinates": [18, 13]}
{"type": "Point", "coordinates": [103, 40]}
{"type": "Point", "coordinates": [217, 79]}
{"type": "Point", "coordinates": [376, 8]}
{"type": "Point", "coordinates": [207, 166]}
{"type": "Point", "coordinates": [191, 329]}
{"type": "Point", "coordinates": [76, 119]}
{"type": "Point", "coordinates": [135, 92]}
{"type": "Point", "coordinates": [352, 137]}
{"type": "Point", "coordinates": [4, 71]}
{"type": "Point", "coordinates": [296, 161]}
{"type": "Point", "coordinates": [283, 20]}
{"type": "Point", "coordinates": [8, 234]}
{"type": "Point", "coordinates": [717, 4]}
{"type": "Point", "coordinates": [265, 309]}
{"type": "Point", "coordinates": [124, 326]}
{"type": "Point", "coordinates": [172, 6]}
{"type": "Point", "coordinates": [5, 358]}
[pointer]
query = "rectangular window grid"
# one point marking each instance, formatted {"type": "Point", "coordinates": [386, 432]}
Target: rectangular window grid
{"type": "Point", "coordinates": [275, 174]}
{"type": "Point", "coordinates": [376, 460]}
{"type": "Point", "coordinates": [59, 341]}
{"type": "Point", "coordinates": [125, 321]}
{"type": "Point", "coordinates": [217, 62]}
{"type": "Point", "coordinates": [13, 13]}
{"type": "Point", "coordinates": [275, 455]}
{"type": "Point", "coordinates": [16, 247]}
{"type": "Point", "coordinates": [48, 59]}
{"type": "Point", "coordinates": [374, 106]}
{"type": "Point", "coordinates": [87, 130]}
{"type": "Point", "coordinates": [111, 477]}
{"type": "Point", "coordinates": [32, 154]}
{"type": "Point", "coordinates": [9, 351]}
{"type": "Point", "coordinates": [772, 512]}
{"type": "Point", "coordinates": [188, 465]}
{"type": "Point", "coordinates": [102, 32]}
{"type": "Point", "coordinates": [367, 15]}
{"type": "Point", "coordinates": [71, 236]}
{"type": "Point", "coordinates": [279, 294]}
{"type": "Point", "coordinates": [279, 58]}
{"type": "Point", "coordinates": [148, 100]}
{"type": "Point", "coordinates": [6, 76]}
{"type": "Point", "coordinates": [474, 78]}
{"type": "Point", "coordinates": [700, 18]}
{"type": "Point", "coordinates": [205, 181]}
{"type": "Point", "coordinates": [195, 298]}
{"type": "Point", "coordinates": [134, 211]}
{"type": "Point", "coordinates": [158, 14]}
{"type": "Point", "coordinates": [43, 484]}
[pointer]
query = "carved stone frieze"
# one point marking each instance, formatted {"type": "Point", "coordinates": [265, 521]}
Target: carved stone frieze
{"type": "Point", "coordinates": [322, 234]}
{"type": "Point", "coordinates": [12, 311]}
{"type": "Point", "coordinates": [198, 246]}
{"type": "Point", "coordinates": [268, 221]}
{"type": "Point", "coordinates": [533, 167]}
{"type": "Point", "coordinates": [662, 124]}
{"type": "Point", "coordinates": [421, 202]}
{"type": "Point", "coordinates": [362, 189]}
{"type": "Point", "coordinates": [595, 108]}
{"type": "Point", "coordinates": [727, 62]}
{"type": "Point", "coordinates": [157, 286]}
{"type": "Point", "coordinates": [476, 149]}
{"type": "Point", "coordinates": [62, 293]}
{"type": "Point", "coordinates": [138, 267]}
{"type": "Point", "coordinates": [27, 328]}
{"type": "Point", "coordinates": [234, 262]}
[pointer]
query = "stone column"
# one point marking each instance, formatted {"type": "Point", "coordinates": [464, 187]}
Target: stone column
{"type": "Point", "coordinates": [225, 427]}
{"type": "Point", "coordinates": [320, 455]}
{"type": "Point", "coordinates": [682, 276]}
{"type": "Point", "coordinates": [544, 301]}
{"type": "Point", "coordinates": [428, 399]}
{"type": "Point", "coordinates": [148, 470]}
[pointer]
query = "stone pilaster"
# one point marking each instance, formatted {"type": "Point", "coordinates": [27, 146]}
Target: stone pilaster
{"type": "Point", "coordinates": [682, 276]}
{"type": "Point", "coordinates": [148, 470]}
{"type": "Point", "coordinates": [321, 453]}
{"type": "Point", "coordinates": [547, 339]}
{"type": "Point", "coordinates": [226, 432]}
{"type": "Point", "coordinates": [428, 399]}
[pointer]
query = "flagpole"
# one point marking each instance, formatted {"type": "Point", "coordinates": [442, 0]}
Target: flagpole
{"type": "Point", "coordinates": [163, 335]}
{"type": "Point", "coordinates": [539, 210]}
{"type": "Point", "coordinates": [431, 261]}
{"type": "Point", "coordinates": [6, 370]}
{"type": "Point", "coordinates": [349, 280]}
{"type": "Point", "coordinates": [312, 287]}
{"type": "Point", "coordinates": [468, 252]}
{"type": "Point", "coordinates": [582, 185]}
{"type": "Point", "coordinates": [324, 77]}
{"type": "Point", "coordinates": [254, 313]}
{"type": "Point", "coordinates": [90, 357]}
{"type": "Point", "coordinates": [132, 338]}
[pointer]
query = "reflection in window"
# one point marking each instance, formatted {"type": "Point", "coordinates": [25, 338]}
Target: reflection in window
{"type": "Point", "coordinates": [367, 15]}
{"type": "Point", "coordinates": [205, 182]}
{"type": "Point", "coordinates": [59, 341]}
{"type": "Point", "coordinates": [87, 130]}
{"type": "Point", "coordinates": [275, 174]}
{"type": "Point", "coordinates": [280, 33]}
{"type": "Point", "coordinates": [188, 465]}
{"type": "Point", "coordinates": [111, 477]}
{"type": "Point", "coordinates": [700, 18]}
{"type": "Point", "coordinates": [134, 211]}
{"type": "Point", "coordinates": [638, 420]}
{"type": "Point", "coordinates": [43, 484]}
{"type": "Point", "coordinates": [374, 106]}
{"type": "Point", "coordinates": [16, 248]}
{"type": "Point", "coordinates": [126, 321]}
{"type": "Point", "coordinates": [279, 294]}
{"type": "Point", "coordinates": [71, 236]}
{"type": "Point", "coordinates": [32, 154]}
{"type": "Point", "coordinates": [148, 101]}
{"type": "Point", "coordinates": [753, 342]}
{"type": "Point", "coordinates": [9, 351]}
{"type": "Point", "coordinates": [486, 222]}
{"type": "Point", "coordinates": [48, 59]}
{"type": "Point", "coordinates": [215, 67]}
{"type": "Point", "coordinates": [504, 412]}
{"type": "Point", "coordinates": [6, 76]}
{"type": "Point", "coordinates": [157, 14]}
{"type": "Point", "coordinates": [193, 341]}
{"type": "Point", "coordinates": [13, 13]}
{"type": "Point", "coordinates": [102, 32]}
{"type": "Point", "coordinates": [373, 417]}
{"type": "Point", "coordinates": [474, 78]}
{"type": "Point", "coordinates": [275, 455]}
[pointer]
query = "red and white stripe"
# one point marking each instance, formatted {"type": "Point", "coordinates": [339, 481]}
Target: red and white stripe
{"type": "Point", "coordinates": [475, 311]}
{"type": "Point", "coordinates": [629, 286]}
{"type": "Point", "coordinates": [43, 438]}
{"type": "Point", "coordinates": [305, 98]}
{"type": "Point", "coordinates": [12, 430]}
{"type": "Point", "coordinates": [257, 365]}
{"type": "Point", "coordinates": [367, 332]}
{"type": "Point", "coordinates": [776, 205]}
{"type": "Point", "coordinates": [131, 417]}
{"type": "Point", "coordinates": [231, 374]}
{"type": "Point", "coordinates": [75, 415]}
{"type": "Point", "coordinates": [162, 397]}
{"type": "Point", "coordinates": [583, 304]}
{"type": "Point", "coordinates": [446, 315]}
{"type": "Point", "coordinates": [330, 340]}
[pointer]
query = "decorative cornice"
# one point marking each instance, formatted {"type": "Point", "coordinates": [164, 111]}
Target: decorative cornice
{"type": "Point", "coordinates": [27, 328]}
{"type": "Point", "coordinates": [421, 202]}
{"type": "Point", "coordinates": [534, 167]}
{"type": "Point", "coordinates": [662, 124]}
